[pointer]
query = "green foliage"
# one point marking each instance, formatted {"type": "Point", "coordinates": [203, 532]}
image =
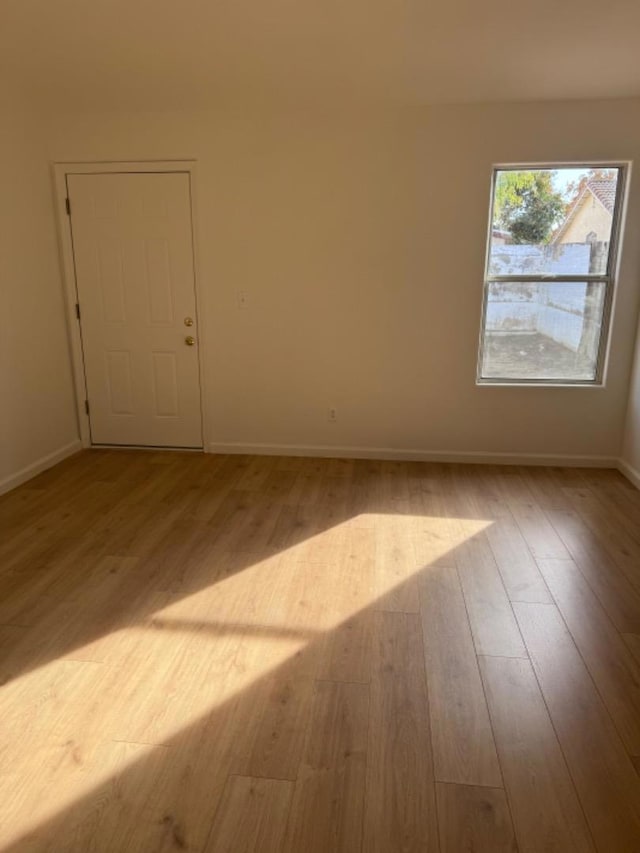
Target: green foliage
{"type": "Point", "coordinates": [527, 206]}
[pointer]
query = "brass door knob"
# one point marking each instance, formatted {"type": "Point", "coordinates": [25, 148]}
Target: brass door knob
{"type": "Point", "coordinates": [188, 321]}
{"type": "Point", "coordinates": [190, 341]}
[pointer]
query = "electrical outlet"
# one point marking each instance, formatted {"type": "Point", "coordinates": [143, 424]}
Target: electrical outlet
{"type": "Point", "coordinates": [332, 414]}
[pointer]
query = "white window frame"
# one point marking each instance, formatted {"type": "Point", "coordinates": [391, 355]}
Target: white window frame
{"type": "Point", "coordinates": [609, 278]}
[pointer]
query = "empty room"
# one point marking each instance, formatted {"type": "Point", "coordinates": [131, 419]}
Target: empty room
{"type": "Point", "coordinates": [319, 427]}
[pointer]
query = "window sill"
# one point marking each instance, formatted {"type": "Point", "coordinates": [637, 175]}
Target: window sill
{"type": "Point", "coordinates": [541, 383]}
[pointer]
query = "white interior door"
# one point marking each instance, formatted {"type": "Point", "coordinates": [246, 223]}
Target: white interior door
{"type": "Point", "coordinates": [133, 253]}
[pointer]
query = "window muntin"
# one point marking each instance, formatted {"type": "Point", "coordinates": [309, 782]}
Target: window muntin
{"type": "Point", "coordinates": [549, 273]}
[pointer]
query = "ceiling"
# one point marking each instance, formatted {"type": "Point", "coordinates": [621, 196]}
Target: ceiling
{"type": "Point", "coordinates": [170, 53]}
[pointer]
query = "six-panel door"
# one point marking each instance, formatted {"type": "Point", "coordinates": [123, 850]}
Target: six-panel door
{"type": "Point", "coordinates": [133, 252]}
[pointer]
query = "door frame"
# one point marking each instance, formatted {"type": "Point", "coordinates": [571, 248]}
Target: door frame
{"type": "Point", "coordinates": [60, 170]}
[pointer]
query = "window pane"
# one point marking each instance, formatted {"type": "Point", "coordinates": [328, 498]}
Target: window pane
{"type": "Point", "coordinates": [552, 221]}
{"type": "Point", "coordinates": [542, 330]}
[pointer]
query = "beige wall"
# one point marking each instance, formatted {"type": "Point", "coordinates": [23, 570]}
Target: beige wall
{"type": "Point", "coordinates": [631, 448]}
{"type": "Point", "coordinates": [359, 241]}
{"type": "Point", "coordinates": [590, 217]}
{"type": "Point", "coordinates": [37, 415]}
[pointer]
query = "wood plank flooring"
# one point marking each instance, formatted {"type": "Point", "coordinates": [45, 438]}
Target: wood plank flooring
{"type": "Point", "coordinates": [233, 653]}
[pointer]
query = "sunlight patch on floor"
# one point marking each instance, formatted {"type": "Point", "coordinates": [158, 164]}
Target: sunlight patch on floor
{"type": "Point", "coordinates": [77, 722]}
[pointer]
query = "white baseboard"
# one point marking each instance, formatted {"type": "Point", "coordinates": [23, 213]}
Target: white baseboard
{"type": "Point", "coordinates": [20, 477]}
{"type": "Point", "coordinates": [629, 472]}
{"type": "Point", "coordinates": [333, 452]}
{"type": "Point", "coordinates": [391, 453]}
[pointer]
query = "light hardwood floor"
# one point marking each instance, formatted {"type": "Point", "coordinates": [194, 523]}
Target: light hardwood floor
{"type": "Point", "coordinates": [209, 654]}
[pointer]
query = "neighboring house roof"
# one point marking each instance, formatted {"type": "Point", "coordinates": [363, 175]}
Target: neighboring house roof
{"type": "Point", "coordinates": [605, 192]}
{"type": "Point", "coordinates": [601, 189]}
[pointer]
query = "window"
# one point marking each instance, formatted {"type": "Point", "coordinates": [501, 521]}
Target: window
{"type": "Point", "coordinates": [549, 273]}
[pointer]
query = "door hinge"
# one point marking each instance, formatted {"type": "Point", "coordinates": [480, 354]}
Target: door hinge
{"type": "Point", "coordinates": [86, 406]}
{"type": "Point", "coordinates": [78, 310]}
{"type": "Point", "coordinates": [67, 205]}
